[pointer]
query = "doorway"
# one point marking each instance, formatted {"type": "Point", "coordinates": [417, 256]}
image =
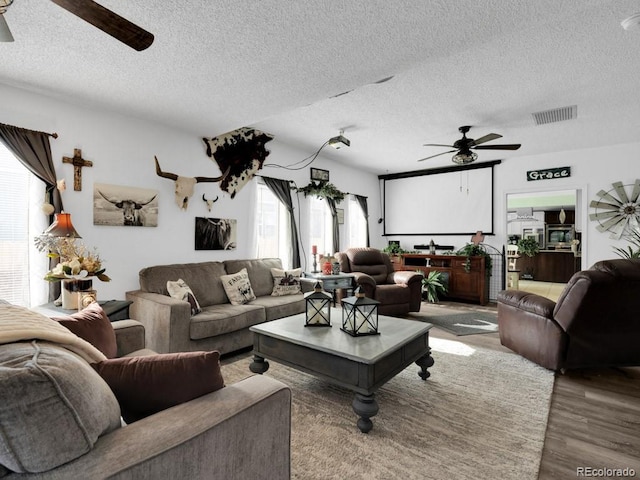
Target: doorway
{"type": "Point", "coordinates": [554, 219]}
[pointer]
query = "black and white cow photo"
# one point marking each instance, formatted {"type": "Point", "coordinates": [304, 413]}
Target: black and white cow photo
{"type": "Point", "coordinates": [124, 206]}
{"type": "Point", "coordinates": [215, 233]}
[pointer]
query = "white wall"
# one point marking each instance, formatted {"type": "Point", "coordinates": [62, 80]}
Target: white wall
{"type": "Point", "coordinates": [591, 170]}
{"type": "Point", "coordinates": [122, 150]}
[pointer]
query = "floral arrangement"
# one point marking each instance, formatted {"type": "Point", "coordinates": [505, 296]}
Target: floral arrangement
{"type": "Point", "coordinates": [76, 261]}
{"type": "Point", "coordinates": [322, 190]}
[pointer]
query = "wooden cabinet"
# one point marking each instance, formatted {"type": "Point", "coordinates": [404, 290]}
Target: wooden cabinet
{"type": "Point", "coordinates": [470, 284]}
{"type": "Point", "coordinates": [556, 266]}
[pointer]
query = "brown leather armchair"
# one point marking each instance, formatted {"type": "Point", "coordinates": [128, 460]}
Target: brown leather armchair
{"type": "Point", "coordinates": [398, 292]}
{"type": "Point", "coordinates": [596, 321]}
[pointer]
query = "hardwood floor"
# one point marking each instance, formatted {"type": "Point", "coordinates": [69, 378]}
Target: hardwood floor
{"type": "Point", "coordinates": [594, 418]}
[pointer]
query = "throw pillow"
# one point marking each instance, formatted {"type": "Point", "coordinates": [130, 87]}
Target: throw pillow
{"type": "Point", "coordinates": [93, 325]}
{"type": "Point", "coordinates": [150, 384]}
{"type": "Point", "coordinates": [286, 282]}
{"type": "Point", "coordinates": [238, 288]}
{"type": "Point", "coordinates": [181, 291]}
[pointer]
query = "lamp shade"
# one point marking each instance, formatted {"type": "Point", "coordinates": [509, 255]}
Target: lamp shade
{"type": "Point", "coordinates": [463, 158]}
{"type": "Point", "coordinates": [62, 227]}
{"type": "Point", "coordinates": [5, 33]}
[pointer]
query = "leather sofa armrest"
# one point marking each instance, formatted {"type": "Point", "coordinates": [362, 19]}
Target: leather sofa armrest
{"type": "Point", "coordinates": [528, 302]}
{"type": "Point", "coordinates": [404, 277]}
{"type": "Point", "coordinates": [365, 282]}
{"type": "Point", "coordinates": [129, 336]}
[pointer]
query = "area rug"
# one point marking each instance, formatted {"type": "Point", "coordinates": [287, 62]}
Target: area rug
{"type": "Point", "coordinates": [481, 415]}
{"type": "Point", "coordinates": [463, 323]}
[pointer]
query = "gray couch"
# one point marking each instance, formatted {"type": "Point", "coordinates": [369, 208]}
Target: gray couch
{"type": "Point", "coordinates": [220, 326]}
{"type": "Point", "coordinates": [240, 431]}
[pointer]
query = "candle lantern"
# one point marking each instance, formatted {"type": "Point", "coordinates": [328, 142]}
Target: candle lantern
{"type": "Point", "coordinates": [360, 315]}
{"type": "Point", "coordinates": [317, 307]}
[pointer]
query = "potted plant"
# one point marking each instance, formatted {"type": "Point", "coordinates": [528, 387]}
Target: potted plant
{"type": "Point", "coordinates": [394, 250]}
{"type": "Point", "coordinates": [633, 250]}
{"type": "Point", "coordinates": [434, 285]}
{"type": "Point", "coordinates": [528, 246]}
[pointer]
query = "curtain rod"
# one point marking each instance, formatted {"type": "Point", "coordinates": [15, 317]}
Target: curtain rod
{"type": "Point", "coordinates": [54, 135]}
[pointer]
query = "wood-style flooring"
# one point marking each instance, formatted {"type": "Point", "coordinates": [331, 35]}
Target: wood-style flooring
{"type": "Point", "coordinates": [594, 419]}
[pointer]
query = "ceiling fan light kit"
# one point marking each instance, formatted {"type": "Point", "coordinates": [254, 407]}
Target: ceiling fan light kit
{"type": "Point", "coordinates": [463, 158]}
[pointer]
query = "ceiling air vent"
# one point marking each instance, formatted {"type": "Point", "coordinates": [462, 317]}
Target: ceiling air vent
{"type": "Point", "coordinates": [556, 115]}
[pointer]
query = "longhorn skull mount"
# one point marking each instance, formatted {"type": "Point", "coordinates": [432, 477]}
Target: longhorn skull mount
{"type": "Point", "coordinates": [185, 185]}
{"type": "Point", "coordinates": [210, 202]}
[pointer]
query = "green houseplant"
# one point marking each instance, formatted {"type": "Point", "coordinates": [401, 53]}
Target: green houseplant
{"type": "Point", "coordinates": [528, 246]}
{"type": "Point", "coordinates": [633, 250]}
{"type": "Point", "coordinates": [433, 286]}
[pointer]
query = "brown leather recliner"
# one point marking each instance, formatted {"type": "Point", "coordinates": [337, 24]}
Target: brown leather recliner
{"type": "Point", "coordinates": [398, 292]}
{"type": "Point", "coordinates": [596, 321]}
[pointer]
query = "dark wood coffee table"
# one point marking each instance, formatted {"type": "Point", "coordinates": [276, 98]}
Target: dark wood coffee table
{"type": "Point", "coordinates": [361, 364]}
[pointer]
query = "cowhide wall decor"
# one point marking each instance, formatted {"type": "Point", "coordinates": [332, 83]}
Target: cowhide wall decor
{"type": "Point", "coordinates": [242, 151]}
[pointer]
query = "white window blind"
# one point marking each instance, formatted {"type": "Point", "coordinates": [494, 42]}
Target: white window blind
{"type": "Point", "coordinates": [272, 227]}
{"type": "Point", "coordinates": [320, 225]}
{"type": "Point", "coordinates": [356, 224]}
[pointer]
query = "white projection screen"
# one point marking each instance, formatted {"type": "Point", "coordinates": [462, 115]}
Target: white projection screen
{"type": "Point", "coordinates": [452, 201]}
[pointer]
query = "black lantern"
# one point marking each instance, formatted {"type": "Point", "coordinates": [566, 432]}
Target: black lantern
{"type": "Point", "coordinates": [318, 307]}
{"type": "Point", "coordinates": [360, 315]}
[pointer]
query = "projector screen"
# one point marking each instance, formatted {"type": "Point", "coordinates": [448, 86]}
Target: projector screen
{"type": "Point", "coordinates": [451, 201]}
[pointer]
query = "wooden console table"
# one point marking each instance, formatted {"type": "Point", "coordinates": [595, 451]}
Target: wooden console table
{"type": "Point", "coordinates": [471, 285]}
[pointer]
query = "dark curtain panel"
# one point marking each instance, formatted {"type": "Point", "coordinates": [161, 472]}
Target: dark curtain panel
{"type": "Point", "coordinates": [282, 191]}
{"type": "Point", "coordinates": [362, 201]}
{"type": "Point", "coordinates": [336, 230]}
{"type": "Point", "coordinates": [33, 150]}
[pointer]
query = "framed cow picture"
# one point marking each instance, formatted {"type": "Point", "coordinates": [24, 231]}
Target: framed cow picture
{"type": "Point", "coordinates": [118, 205]}
{"type": "Point", "coordinates": [216, 233]}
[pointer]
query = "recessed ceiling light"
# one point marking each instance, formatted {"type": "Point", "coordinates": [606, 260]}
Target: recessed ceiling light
{"type": "Point", "coordinates": [631, 22]}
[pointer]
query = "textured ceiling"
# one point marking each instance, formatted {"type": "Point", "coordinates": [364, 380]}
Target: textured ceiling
{"type": "Point", "coordinates": [278, 65]}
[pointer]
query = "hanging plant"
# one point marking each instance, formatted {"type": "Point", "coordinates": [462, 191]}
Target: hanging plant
{"type": "Point", "coordinates": [322, 190]}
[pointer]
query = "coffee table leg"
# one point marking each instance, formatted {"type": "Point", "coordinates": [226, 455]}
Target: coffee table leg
{"type": "Point", "coordinates": [259, 365]}
{"type": "Point", "coordinates": [424, 363]}
{"type": "Point", "coordinates": [367, 407]}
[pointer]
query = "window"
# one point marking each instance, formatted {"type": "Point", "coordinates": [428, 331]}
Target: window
{"type": "Point", "coordinates": [272, 227]}
{"type": "Point", "coordinates": [321, 225]}
{"type": "Point", "coordinates": [356, 224]}
{"type": "Point", "coordinates": [21, 265]}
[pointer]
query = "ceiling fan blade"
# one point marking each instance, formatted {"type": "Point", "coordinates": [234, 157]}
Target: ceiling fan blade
{"type": "Point", "coordinates": [508, 146]}
{"type": "Point", "coordinates": [486, 138]}
{"type": "Point", "coordinates": [109, 22]}
{"type": "Point", "coordinates": [437, 155]}
{"type": "Point", "coordinates": [437, 145]}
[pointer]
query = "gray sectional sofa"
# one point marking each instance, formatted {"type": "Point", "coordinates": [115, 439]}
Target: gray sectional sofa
{"type": "Point", "coordinates": [220, 325]}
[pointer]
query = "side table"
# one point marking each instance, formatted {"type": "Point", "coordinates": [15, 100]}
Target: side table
{"type": "Point", "coordinates": [115, 309]}
{"type": "Point", "coordinates": [331, 283]}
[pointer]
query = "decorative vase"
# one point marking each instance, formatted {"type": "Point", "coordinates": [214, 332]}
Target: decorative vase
{"type": "Point", "coordinates": [326, 266]}
{"type": "Point", "coordinates": [335, 268]}
{"type": "Point", "coordinates": [71, 292]}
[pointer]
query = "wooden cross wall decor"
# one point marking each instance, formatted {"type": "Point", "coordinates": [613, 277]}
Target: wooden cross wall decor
{"type": "Point", "coordinates": [78, 162]}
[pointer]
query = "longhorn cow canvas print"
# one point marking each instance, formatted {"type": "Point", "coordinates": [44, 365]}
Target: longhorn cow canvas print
{"type": "Point", "coordinates": [216, 233]}
{"type": "Point", "coordinates": [119, 205]}
{"type": "Point", "coordinates": [240, 153]}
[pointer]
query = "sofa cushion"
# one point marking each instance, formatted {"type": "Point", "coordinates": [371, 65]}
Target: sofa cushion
{"type": "Point", "coordinates": [286, 282]}
{"type": "Point", "coordinates": [149, 384]}
{"type": "Point", "coordinates": [238, 287]}
{"type": "Point", "coordinates": [279, 307]}
{"type": "Point", "coordinates": [53, 406]}
{"type": "Point", "coordinates": [259, 271]}
{"type": "Point", "coordinates": [203, 278]}
{"type": "Point", "coordinates": [181, 291]}
{"type": "Point", "coordinates": [93, 325]}
{"type": "Point", "coordinates": [220, 319]}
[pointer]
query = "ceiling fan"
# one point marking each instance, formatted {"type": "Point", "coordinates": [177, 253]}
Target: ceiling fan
{"type": "Point", "coordinates": [109, 22]}
{"type": "Point", "coordinates": [464, 146]}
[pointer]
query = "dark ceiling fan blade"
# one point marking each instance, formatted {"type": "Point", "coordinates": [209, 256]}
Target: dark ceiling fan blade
{"type": "Point", "coordinates": [506, 146]}
{"type": "Point", "coordinates": [437, 155]}
{"type": "Point", "coordinates": [486, 138]}
{"type": "Point", "coordinates": [109, 22]}
{"type": "Point", "coordinates": [437, 145]}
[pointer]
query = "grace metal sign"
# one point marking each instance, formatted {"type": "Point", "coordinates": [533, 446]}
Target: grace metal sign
{"type": "Point", "coordinates": [548, 173]}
